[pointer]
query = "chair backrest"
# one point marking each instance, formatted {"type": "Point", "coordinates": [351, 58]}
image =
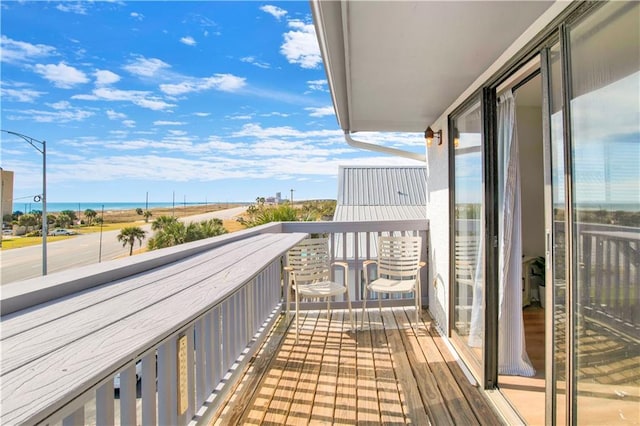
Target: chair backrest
{"type": "Point", "coordinates": [310, 260]}
{"type": "Point", "coordinates": [466, 253]}
{"type": "Point", "coordinates": [399, 257]}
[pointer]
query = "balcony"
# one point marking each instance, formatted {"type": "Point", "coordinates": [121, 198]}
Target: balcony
{"type": "Point", "coordinates": [186, 330]}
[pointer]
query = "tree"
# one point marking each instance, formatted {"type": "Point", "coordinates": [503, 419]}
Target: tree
{"type": "Point", "coordinates": [129, 235]}
{"type": "Point", "coordinates": [90, 214]}
{"type": "Point", "coordinates": [147, 214]}
{"type": "Point", "coordinates": [71, 215]}
{"type": "Point", "coordinates": [139, 211]}
{"type": "Point", "coordinates": [64, 219]}
{"type": "Point", "coordinates": [162, 222]}
{"type": "Point", "coordinates": [173, 232]}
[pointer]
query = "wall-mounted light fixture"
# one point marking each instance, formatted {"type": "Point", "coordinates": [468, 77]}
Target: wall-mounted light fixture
{"type": "Point", "coordinates": [456, 137]}
{"type": "Point", "coordinates": [429, 134]}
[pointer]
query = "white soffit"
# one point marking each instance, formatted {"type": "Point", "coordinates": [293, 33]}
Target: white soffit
{"type": "Point", "coordinates": [397, 65]}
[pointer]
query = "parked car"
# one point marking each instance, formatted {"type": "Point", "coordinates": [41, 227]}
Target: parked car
{"type": "Point", "coordinates": [62, 231]}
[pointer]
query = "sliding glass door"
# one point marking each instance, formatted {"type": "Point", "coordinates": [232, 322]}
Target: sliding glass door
{"type": "Point", "coordinates": [595, 177]}
{"type": "Point", "coordinates": [467, 314]}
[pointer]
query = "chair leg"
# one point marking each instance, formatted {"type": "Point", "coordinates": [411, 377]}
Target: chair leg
{"type": "Point", "coordinates": [364, 306]}
{"type": "Point", "coordinates": [297, 316]}
{"type": "Point", "coordinates": [350, 311]}
{"type": "Point", "coordinates": [328, 308]}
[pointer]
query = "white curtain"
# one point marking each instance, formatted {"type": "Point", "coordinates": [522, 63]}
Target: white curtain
{"type": "Point", "coordinates": [512, 355]}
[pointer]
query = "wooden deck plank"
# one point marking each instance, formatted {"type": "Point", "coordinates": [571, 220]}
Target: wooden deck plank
{"type": "Point", "coordinates": [325, 398]}
{"type": "Point", "coordinates": [436, 393]}
{"type": "Point", "coordinates": [258, 405]}
{"type": "Point", "coordinates": [284, 394]}
{"type": "Point", "coordinates": [379, 375]}
{"type": "Point", "coordinates": [407, 382]}
{"type": "Point", "coordinates": [74, 366]}
{"type": "Point", "coordinates": [245, 393]}
{"type": "Point", "coordinates": [368, 407]}
{"type": "Point", "coordinates": [300, 410]}
{"type": "Point", "coordinates": [346, 404]}
{"type": "Point", "coordinates": [479, 405]}
{"type": "Point", "coordinates": [392, 406]}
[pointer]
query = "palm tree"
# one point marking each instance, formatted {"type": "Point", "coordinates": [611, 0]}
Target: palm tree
{"type": "Point", "coordinates": [90, 214]}
{"type": "Point", "coordinates": [162, 222]}
{"type": "Point", "coordinates": [147, 214]}
{"type": "Point", "coordinates": [129, 235]}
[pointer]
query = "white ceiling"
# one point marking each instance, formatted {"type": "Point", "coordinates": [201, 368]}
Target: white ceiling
{"type": "Point", "coordinates": [397, 65]}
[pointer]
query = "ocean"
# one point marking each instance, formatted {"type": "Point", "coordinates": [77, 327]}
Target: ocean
{"type": "Point", "coordinates": [58, 207]}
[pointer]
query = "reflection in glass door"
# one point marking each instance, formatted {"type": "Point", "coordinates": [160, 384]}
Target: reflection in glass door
{"type": "Point", "coordinates": [605, 139]}
{"type": "Point", "coordinates": [468, 282]}
{"type": "Point", "coordinates": [595, 179]}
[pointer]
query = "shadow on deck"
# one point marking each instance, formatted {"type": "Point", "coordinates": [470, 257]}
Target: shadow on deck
{"type": "Point", "coordinates": [386, 373]}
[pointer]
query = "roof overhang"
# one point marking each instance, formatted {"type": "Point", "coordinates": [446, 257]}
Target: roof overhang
{"type": "Point", "coordinates": [397, 65]}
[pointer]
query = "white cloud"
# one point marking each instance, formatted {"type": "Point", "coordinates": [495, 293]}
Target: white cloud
{"type": "Point", "coordinates": [20, 51]}
{"type": "Point", "coordinates": [129, 123]}
{"type": "Point", "coordinates": [256, 131]}
{"type": "Point", "coordinates": [72, 7]}
{"type": "Point", "coordinates": [168, 123]}
{"type": "Point", "coordinates": [202, 114]}
{"type": "Point", "coordinates": [320, 112]}
{"type": "Point", "coordinates": [239, 117]}
{"type": "Point", "coordinates": [113, 115]}
{"type": "Point", "coordinates": [136, 15]}
{"type": "Point", "coordinates": [105, 77]}
{"type": "Point", "coordinates": [57, 116]}
{"type": "Point", "coordinates": [320, 85]}
{"type": "Point", "coordinates": [146, 67]}
{"type": "Point", "coordinates": [301, 46]}
{"type": "Point", "coordinates": [189, 41]}
{"type": "Point", "coordinates": [61, 75]}
{"type": "Point", "coordinates": [275, 114]}
{"type": "Point", "coordinates": [137, 97]}
{"type": "Point", "coordinates": [274, 11]}
{"type": "Point", "coordinates": [60, 105]}
{"type": "Point", "coordinates": [252, 60]}
{"type": "Point", "coordinates": [222, 82]}
{"type": "Point", "coordinates": [20, 95]}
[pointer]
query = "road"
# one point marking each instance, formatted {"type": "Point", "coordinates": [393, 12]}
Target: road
{"type": "Point", "coordinates": [80, 250]}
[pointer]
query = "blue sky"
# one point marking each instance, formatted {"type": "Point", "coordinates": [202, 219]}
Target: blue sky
{"type": "Point", "coordinates": [223, 101]}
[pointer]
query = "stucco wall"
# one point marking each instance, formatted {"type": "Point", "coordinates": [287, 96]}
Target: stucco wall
{"type": "Point", "coordinates": [438, 216]}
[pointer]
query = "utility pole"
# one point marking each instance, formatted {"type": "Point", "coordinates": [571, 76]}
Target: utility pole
{"type": "Point", "coordinates": [41, 147]}
{"type": "Point", "coordinates": [292, 196]}
{"type": "Point", "coordinates": [146, 206]}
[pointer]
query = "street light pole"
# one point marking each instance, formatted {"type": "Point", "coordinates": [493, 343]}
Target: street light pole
{"type": "Point", "coordinates": [41, 147]}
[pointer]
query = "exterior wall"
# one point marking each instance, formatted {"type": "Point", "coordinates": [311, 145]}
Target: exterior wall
{"type": "Point", "coordinates": [7, 192]}
{"type": "Point", "coordinates": [438, 217]}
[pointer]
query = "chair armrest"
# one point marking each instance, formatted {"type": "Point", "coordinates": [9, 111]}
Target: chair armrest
{"type": "Point", "coordinates": [422, 264]}
{"type": "Point", "coordinates": [344, 265]}
{"type": "Point", "coordinates": [288, 268]}
{"type": "Point", "coordinates": [367, 263]}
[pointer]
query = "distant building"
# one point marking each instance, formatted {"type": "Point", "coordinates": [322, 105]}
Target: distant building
{"type": "Point", "coordinates": [6, 194]}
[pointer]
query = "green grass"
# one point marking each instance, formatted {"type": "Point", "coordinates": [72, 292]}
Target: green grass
{"type": "Point", "coordinates": [12, 243]}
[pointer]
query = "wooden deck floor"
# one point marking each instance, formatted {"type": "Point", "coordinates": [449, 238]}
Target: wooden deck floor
{"type": "Point", "coordinates": [384, 374]}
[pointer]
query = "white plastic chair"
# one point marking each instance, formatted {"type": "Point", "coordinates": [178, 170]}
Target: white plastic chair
{"type": "Point", "coordinates": [398, 267]}
{"type": "Point", "coordinates": [309, 266]}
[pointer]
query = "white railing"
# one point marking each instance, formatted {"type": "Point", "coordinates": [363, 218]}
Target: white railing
{"type": "Point", "coordinates": [173, 327]}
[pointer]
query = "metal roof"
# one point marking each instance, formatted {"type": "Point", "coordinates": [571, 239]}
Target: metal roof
{"type": "Point", "coordinates": [379, 194]}
{"type": "Point", "coordinates": [382, 186]}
